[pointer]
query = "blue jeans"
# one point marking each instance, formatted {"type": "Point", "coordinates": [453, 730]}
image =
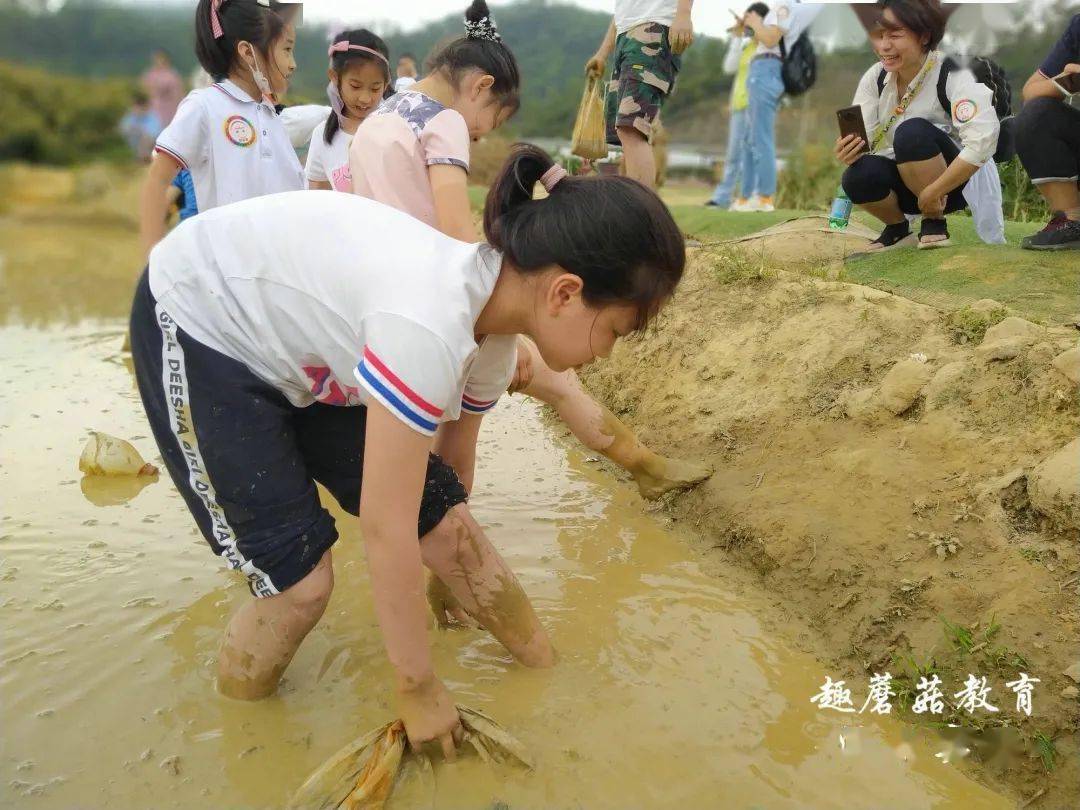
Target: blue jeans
{"type": "Point", "coordinates": [764, 87]}
{"type": "Point", "coordinates": [737, 166]}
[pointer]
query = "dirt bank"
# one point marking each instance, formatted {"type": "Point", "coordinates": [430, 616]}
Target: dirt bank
{"type": "Point", "coordinates": [873, 471]}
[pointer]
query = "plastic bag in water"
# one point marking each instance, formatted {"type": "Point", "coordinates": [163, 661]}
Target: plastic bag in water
{"type": "Point", "coordinates": [108, 455]}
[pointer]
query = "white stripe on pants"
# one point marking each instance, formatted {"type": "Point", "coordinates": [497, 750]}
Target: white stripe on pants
{"type": "Point", "coordinates": [175, 386]}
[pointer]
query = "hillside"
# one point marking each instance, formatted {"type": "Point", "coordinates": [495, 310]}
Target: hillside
{"type": "Point", "coordinates": [91, 40]}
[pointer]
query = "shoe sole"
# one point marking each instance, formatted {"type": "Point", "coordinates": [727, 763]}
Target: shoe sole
{"type": "Point", "coordinates": [1073, 246]}
{"type": "Point", "coordinates": [907, 241]}
{"type": "Point", "coordinates": [940, 243]}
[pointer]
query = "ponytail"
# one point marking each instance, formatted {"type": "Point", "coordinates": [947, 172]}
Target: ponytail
{"type": "Point", "coordinates": [222, 24]}
{"type": "Point", "coordinates": [481, 48]}
{"type": "Point", "coordinates": [612, 232]}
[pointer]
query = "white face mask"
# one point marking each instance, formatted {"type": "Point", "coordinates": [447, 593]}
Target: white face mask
{"type": "Point", "coordinates": [260, 79]}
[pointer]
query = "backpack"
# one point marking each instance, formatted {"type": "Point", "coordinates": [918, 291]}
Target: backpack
{"type": "Point", "coordinates": [798, 66]}
{"type": "Point", "coordinates": [986, 71]}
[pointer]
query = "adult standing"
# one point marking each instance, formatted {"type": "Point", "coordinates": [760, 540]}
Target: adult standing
{"type": "Point", "coordinates": [647, 38]}
{"type": "Point", "coordinates": [1048, 141]}
{"type": "Point", "coordinates": [738, 168]}
{"type": "Point", "coordinates": [164, 87]}
{"type": "Point", "coordinates": [764, 87]}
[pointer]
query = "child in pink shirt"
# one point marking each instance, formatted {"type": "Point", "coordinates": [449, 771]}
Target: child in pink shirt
{"type": "Point", "coordinates": [413, 153]}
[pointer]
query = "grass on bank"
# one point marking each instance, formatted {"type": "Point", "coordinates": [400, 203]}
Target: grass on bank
{"type": "Point", "coordinates": [1036, 284]}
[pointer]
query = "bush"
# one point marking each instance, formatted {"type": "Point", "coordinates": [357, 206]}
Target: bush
{"type": "Point", "coordinates": [48, 118]}
{"type": "Point", "coordinates": [1020, 199]}
{"type": "Point", "coordinates": [809, 179]}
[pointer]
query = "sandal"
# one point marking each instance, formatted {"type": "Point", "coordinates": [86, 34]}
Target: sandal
{"type": "Point", "coordinates": [894, 236]}
{"type": "Point", "coordinates": [933, 227]}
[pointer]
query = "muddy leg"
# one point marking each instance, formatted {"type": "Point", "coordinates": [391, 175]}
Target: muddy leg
{"type": "Point", "coordinates": [263, 636]}
{"type": "Point", "coordinates": [600, 430]}
{"type": "Point", "coordinates": [460, 555]}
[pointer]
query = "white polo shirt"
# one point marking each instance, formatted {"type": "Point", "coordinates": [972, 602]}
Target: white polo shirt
{"type": "Point", "coordinates": [234, 146]}
{"type": "Point", "coordinates": [338, 299]}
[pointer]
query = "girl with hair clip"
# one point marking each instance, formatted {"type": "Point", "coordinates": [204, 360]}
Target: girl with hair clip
{"type": "Point", "coordinates": [359, 76]}
{"type": "Point", "coordinates": [413, 153]}
{"type": "Point", "coordinates": [265, 364]}
{"type": "Point", "coordinates": [229, 135]}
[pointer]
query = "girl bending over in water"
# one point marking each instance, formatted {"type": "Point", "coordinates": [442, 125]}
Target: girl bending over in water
{"type": "Point", "coordinates": [313, 337]}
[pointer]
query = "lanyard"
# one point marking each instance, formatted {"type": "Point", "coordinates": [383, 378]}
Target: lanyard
{"type": "Point", "coordinates": [905, 102]}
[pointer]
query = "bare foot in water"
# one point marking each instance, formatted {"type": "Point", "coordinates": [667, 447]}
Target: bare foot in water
{"type": "Point", "coordinates": [660, 475]}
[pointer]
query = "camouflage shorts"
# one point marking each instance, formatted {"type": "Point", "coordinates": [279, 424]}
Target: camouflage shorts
{"type": "Point", "coordinates": [642, 77]}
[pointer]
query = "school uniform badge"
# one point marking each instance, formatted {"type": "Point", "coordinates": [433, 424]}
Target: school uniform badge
{"type": "Point", "coordinates": [964, 110]}
{"type": "Point", "coordinates": [239, 131]}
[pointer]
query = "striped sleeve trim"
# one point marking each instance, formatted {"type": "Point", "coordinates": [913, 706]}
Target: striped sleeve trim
{"type": "Point", "coordinates": [476, 405]}
{"type": "Point", "coordinates": [448, 162]}
{"type": "Point", "coordinates": [167, 151]}
{"type": "Point", "coordinates": [392, 392]}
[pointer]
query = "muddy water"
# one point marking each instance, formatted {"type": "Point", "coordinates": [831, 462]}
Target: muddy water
{"type": "Point", "coordinates": [668, 693]}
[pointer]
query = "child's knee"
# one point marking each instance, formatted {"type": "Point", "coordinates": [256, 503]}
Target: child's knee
{"type": "Point", "coordinates": [445, 545]}
{"type": "Point", "coordinates": [309, 597]}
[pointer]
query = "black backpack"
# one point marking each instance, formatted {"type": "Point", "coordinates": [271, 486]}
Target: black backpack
{"type": "Point", "coordinates": [798, 66]}
{"type": "Point", "coordinates": [986, 71]}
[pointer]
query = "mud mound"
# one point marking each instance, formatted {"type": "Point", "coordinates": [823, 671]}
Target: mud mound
{"type": "Point", "coordinates": [805, 239]}
{"type": "Point", "coordinates": [857, 445]}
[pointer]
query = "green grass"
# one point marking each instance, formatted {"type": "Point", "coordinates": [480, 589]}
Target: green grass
{"type": "Point", "coordinates": [1037, 285]}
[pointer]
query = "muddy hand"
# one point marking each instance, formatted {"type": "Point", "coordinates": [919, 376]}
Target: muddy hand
{"type": "Point", "coordinates": [448, 611]}
{"type": "Point", "coordinates": [429, 715]}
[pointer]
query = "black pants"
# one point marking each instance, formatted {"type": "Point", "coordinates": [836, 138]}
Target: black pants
{"type": "Point", "coordinates": [1048, 140]}
{"type": "Point", "coordinates": [871, 177]}
{"type": "Point", "coordinates": [246, 460]}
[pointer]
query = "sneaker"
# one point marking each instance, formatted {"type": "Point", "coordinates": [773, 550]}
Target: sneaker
{"type": "Point", "coordinates": [714, 204]}
{"type": "Point", "coordinates": [933, 227]}
{"type": "Point", "coordinates": [1060, 233]}
{"type": "Point", "coordinates": [894, 236]}
{"type": "Point", "coordinates": [763, 203]}
{"type": "Point", "coordinates": [741, 204]}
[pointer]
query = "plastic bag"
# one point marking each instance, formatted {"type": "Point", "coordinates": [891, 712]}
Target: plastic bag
{"type": "Point", "coordinates": [108, 455]}
{"type": "Point", "coordinates": [361, 775]}
{"type": "Point", "coordinates": [590, 133]}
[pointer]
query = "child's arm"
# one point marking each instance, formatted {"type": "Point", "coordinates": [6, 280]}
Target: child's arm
{"type": "Point", "coordinates": [449, 188]}
{"type": "Point", "coordinates": [154, 206]}
{"type": "Point", "coordinates": [319, 185]}
{"type": "Point", "coordinates": [455, 442]}
{"type": "Point", "coordinates": [395, 468]}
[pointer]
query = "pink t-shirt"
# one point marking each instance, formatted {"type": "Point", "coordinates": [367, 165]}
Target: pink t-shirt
{"type": "Point", "coordinates": [392, 149]}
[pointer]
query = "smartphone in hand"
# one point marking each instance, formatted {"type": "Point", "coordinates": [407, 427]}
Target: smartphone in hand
{"type": "Point", "coordinates": [851, 123]}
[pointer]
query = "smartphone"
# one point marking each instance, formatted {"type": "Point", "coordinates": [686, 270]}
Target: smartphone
{"type": "Point", "coordinates": [851, 123]}
{"type": "Point", "coordinates": [1069, 82]}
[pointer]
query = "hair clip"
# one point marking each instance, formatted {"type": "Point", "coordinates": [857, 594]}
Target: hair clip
{"type": "Point", "coordinates": [484, 28]}
{"type": "Point", "coordinates": [552, 176]}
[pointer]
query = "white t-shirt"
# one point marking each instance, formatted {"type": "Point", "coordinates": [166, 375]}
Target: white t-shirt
{"type": "Point", "coordinates": [329, 163]}
{"type": "Point", "coordinates": [972, 120]}
{"type": "Point", "coordinates": [629, 13]}
{"type": "Point", "coordinates": [339, 299]}
{"type": "Point", "coordinates": [780, 16]}
{"type": "Point", "coordinates": [234, 147]}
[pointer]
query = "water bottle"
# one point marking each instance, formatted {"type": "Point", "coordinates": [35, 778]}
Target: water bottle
{"type": "Point", "coordinates": [840, 213]}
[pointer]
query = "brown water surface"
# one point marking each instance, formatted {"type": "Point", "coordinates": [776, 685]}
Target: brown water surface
{"type": "Point", "coordinates": [668, 693]}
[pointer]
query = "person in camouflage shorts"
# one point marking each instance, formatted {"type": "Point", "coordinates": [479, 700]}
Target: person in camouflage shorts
{"type": "Point", "coordinates": [642, 77]}
{"type": "Point", "coordinates": [647, 39]}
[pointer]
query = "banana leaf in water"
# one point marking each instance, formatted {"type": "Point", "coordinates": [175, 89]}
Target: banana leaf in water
{"type": "Point", "coordinates": [361, 775]}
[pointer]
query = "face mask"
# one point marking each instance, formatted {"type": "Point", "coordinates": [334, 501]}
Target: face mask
{"type": "Point", "coordinates": [261, 81]}
{"type": "Point", "coordinates": [336, 102]}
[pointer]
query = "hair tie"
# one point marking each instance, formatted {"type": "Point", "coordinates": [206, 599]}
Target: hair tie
{"type": "Point", "coordinates": [342, 46]}
{"type": "Point", "coordinates": [215, 21]}
{"type": "Point", "coordinates": [484, 28]}
{"type": "Point", "coordinates": [551, 177]}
